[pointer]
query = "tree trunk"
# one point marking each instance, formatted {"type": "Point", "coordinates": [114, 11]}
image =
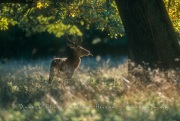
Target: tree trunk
{"type": "Point", "coordinates": [151, 36]}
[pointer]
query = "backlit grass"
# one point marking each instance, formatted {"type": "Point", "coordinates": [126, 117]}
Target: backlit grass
{"type": "Point", "coordinates": [100, 90]}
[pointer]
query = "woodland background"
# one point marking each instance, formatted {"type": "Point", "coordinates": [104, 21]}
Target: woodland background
{"type": "Point", "coordinates": [102, 88]}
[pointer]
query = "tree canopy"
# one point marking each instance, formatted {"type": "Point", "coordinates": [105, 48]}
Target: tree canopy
{"type": "Point", "coordinates": [72, 17]}
{"type": "Point", "coordinates": [61, 17]}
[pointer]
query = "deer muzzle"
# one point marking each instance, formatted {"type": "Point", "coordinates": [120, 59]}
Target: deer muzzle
{"type": "Point", "coordinates": [90, 54]}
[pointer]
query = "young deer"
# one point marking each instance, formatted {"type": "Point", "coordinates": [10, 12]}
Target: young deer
{"type": "Point", "coordinates": [65, 67]}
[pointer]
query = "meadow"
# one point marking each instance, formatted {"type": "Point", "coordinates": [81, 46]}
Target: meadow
{"type": "Point", "coordinates": [101, 90]}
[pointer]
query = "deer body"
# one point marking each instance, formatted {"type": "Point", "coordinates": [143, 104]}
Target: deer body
{"type": "Point", "coordinates": [65, 67]}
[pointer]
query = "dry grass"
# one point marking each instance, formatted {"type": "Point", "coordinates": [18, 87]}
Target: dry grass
{"type": "Point", "coordinates": [100, 89]}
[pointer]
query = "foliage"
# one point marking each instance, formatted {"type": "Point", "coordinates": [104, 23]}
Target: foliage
{"type": "Point", "coordinates": [58, 17]}
{"type": "Point", "coordinates": [62, 17]}
{"type": "Point", "coordinates": [173, 8]}
{"type": "Point", "coordinates": [98, 91]}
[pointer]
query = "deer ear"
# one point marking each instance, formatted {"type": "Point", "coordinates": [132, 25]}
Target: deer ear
{"type": "Point", "coordinates": [71, 46]}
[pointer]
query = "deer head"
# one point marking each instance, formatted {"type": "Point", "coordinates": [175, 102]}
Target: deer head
{"type": "Point", "coordinates": [77, 49]}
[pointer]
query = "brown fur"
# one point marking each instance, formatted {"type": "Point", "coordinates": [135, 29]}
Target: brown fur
{"type": "Point", "coordinates": [65, 67]}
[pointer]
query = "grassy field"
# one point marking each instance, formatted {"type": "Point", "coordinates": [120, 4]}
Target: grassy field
{"type": "Point", "coordinates": [100, 90]}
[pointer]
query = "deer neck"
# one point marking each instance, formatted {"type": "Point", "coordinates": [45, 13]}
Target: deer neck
{"type": "Point", "coordinates": [73, 60]}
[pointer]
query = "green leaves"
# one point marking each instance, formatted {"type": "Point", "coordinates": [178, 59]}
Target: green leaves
{"type": "Point", "coordinates": [3, 24]}
{"type": "Point", "coordinates": [57, 17]}
{"type": "Point", "coordinates": [60, 29]}
{"type": "Point", "coordinates": [173, 8]}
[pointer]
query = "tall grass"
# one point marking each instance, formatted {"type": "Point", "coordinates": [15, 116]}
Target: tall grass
{"type": "Point", "coordinates": [100, 90]}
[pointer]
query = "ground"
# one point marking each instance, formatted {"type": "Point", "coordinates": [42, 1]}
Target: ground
{"type": "Point", "coordinates": [100, 90]}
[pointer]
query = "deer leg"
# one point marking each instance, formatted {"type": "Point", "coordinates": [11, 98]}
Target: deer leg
{"type": "Point", "coordinates": [52, 70]}
{"type": "Point", "coordinates": [51, 75]}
